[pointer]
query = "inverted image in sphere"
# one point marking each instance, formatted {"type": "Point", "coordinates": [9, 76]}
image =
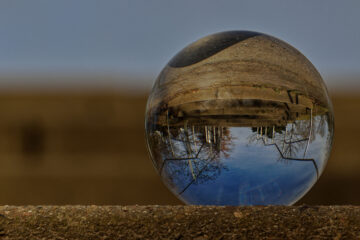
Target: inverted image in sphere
{"type": "Point", "coordinates": [239, 118]}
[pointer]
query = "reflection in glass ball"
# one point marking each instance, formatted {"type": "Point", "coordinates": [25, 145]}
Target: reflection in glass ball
{"type": "Point", "coordinates": [239, 118]}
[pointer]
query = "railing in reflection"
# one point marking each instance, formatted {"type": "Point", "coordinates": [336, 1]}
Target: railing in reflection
{"type": "Point", "coordinates": [194, 153]}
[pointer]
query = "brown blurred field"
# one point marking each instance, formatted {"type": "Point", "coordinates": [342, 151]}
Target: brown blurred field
{"type": "Point", "coordinates": [88, 147]}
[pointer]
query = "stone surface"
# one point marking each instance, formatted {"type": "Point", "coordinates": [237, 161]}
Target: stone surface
{"type": "Point", "coordinates": [217, 73]}
{"type": "Point", "coordinates": [179, 222]}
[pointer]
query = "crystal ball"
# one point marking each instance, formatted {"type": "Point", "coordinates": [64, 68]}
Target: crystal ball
{"type": "Point", "coordinates": [239, 118]}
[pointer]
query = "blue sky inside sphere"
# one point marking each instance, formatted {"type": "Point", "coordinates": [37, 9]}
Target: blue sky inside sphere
{"type": "Point", "coordinates": [131, 41]}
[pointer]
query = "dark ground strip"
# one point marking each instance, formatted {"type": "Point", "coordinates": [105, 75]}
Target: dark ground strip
{"type": "Point", "coordinates": [179, 222]}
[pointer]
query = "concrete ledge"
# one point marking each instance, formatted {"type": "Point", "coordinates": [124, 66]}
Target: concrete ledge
{"type": "Point", "coordinates": [179, 222]}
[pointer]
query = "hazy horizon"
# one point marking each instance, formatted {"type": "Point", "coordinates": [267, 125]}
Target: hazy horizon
{"type": "Point", "coordinates": [132, 82]}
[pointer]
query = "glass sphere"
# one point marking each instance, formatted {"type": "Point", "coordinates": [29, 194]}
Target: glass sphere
{"type": "Point", "coordinates": [239, 118]}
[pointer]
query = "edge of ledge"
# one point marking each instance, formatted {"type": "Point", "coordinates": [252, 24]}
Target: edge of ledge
{"type": "Point", "coordinates": [179, 222]}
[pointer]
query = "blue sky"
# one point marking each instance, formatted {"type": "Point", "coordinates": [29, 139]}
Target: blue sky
{"type": "Point", "coordinates": [137, 38]}
{"type": "Point", "coordinates": [254, 169]}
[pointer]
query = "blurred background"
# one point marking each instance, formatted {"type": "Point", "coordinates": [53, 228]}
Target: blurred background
{"type": "Point", "coordinates": [75, 75]}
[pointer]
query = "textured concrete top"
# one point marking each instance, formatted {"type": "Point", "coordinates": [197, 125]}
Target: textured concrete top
{"type": "Point", "coordinates": [179, 222]}
{"type": "Point", "coordinates": [220, 70]}
{"type": "Point", "coordinates": [222, 60]}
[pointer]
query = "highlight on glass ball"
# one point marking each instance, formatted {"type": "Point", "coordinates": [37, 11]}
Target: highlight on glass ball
{"type": "Point", "coordinates": [239, 118]}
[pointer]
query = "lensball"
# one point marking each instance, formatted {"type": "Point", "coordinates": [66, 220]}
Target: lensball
{"type": "Point", "coordinates": [239, 118]}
